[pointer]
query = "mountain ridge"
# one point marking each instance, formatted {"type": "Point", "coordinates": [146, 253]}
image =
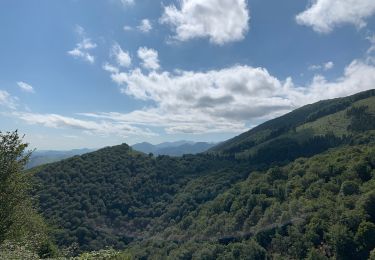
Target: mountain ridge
{"type": "Point", "coordinates": [177, 148]}
{"type": "Point", "coordinates": [40, 157]}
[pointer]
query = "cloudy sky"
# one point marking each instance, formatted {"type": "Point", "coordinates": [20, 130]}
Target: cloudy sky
{"type": "Point", "coordinates": [83, 73]}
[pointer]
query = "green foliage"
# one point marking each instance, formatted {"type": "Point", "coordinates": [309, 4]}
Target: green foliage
{"type": "Point", "coordinates": [365, 236]}
{"type": "Point", "coordinates": [17, 251]}
{"type": "Point", "coordinates": [372, 255]}
{"type": "Point", "coordinates": [108, 254]}
{"type": "Point", "coordinates": [250, 251]}
{"type": "Point", "coordinates": [22, 230]}
{"type": "Point", "coordinates": [361, 120]}
{"type": "Point", "coordinates": [315, 254]}
{"type": "Point", "coordinates": [342, 241]}
{"type": "Point", "coordinates": [296, 211]}
{"type": "Point", "coordinates": [349, 188]}
{"type": "Point", "coordinates": [369, 205]}
{"type": "Point", "coordinates": [363, 170]}
{"type": "Point", "coordinates": [109, 197]}
{"type": "Point", "coordinates": [13, 184]}
{"type": "Point", "coordinates": [47, 249]}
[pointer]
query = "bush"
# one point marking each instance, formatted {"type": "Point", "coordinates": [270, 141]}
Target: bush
{"type": "Point", "coordinates": [108, 254]}
{"type": "Point", "coordinates": [315, 255]}
{"type": "Point", "coordinates": [349, 188]}
{"type": "Point", "coordinates": [365, 236]}
{"type": "Point", "coordinates": [363, 170]}
{"type": "Point", "coordinates": [48, 250]}
{"type": "Point", "coordinates": [250, 250]}
{"type": "Point", "coordinates": [369, 206]}
{"type": "Point", "coordinates": [372, 255]}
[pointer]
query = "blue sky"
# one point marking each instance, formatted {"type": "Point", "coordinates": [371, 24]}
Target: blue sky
{"type": "Point", "coordinates": [82, 73]}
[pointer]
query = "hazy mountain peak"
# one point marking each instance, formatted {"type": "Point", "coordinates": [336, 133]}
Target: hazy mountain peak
{"type": "Point", "coordinates": [175, 148]}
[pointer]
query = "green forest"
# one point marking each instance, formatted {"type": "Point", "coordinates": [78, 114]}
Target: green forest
{"type": "Point", "coordinates": [301, 186]}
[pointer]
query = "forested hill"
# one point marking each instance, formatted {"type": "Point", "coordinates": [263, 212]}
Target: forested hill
{"type": "Point", "coordinates": [295, 187]}
{"type": "Point", "coordinates": [109, 197]}
{"type": "Point", "coordinates": [298, 124]}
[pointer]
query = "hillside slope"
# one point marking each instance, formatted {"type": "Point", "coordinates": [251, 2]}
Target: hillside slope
{"type": "Point", "coordinates": [296, 119]}
{"type": "Point", "coordinates": [220, 202]}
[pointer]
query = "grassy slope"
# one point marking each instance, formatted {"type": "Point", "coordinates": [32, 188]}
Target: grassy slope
{"type": "Point", "coordinates": [337, 123]}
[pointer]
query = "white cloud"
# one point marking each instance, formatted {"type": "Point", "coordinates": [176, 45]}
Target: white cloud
{"type": "Point", "coordinates": [315, 67]}
{"type": "Point", "coordinates": [324, 15]}
{"type": "Point", "coordinates": [326, 66]}
{"type": "Point", "coordinates": [127, 28]}
{"type": "Point", "coordinates": [329, 65]}
{"type": "Point", "coordinates": [82, 49]}
{"type": "Point", "coordinates": [80, 30]}
{"type": "Point", "coordinates": [226, 100]}
{"type": "Point", "coordinates": [149, 58]}
{"type": "Point", "coordinates": [25, 87]}
{"type": "Point", "coordinates": [221, 21]}
{"type": "Point", "coordinates": [358, 76]}
{"type": "Point", "coordinates": [200, 102]}
{"type": "Point", "coordinates": [7, 100]}
{"type": "Point", "coordinates": [122, 58]}
{"type": "Point", "coordinates": [110, 68]}
{"type": "Point", "coordinates": [145, 26]}
{"type": "Point", "coordinates": [127, 2]}
{"type": "Point", "coordinates": [104, 128]}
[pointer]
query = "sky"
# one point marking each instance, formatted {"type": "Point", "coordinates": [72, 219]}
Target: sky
{"type": "Point", "coordinates": [83, 73]}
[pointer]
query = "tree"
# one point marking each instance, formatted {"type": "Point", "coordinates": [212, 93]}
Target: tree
{"type": "Point", "coordinates": [342, 241]}
{"type": "Point", "coordinates": [363, 170]}
{"type": "Point", "coordinates": [13, 184]}
{"type": "Point", "coordinates": [372, 255]}
{"type": "Point", "coordinates": [19, 222]}
{"type": "Point", "coordinates": [247, 250]}
{"type": "Point", "coordinates": [349, 188]}
{"type": "Point", "coordinates": [315, 254]}
{"type": "Point", "coordinates": [365, 237]}
{"type": "Point", "coordinates": [369, 205]}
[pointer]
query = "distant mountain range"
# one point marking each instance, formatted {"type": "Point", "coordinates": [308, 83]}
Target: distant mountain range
{"type": "Point", "coordinates": [178, 148]}
{"type": "Point", "coordinates": [49, 156]}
